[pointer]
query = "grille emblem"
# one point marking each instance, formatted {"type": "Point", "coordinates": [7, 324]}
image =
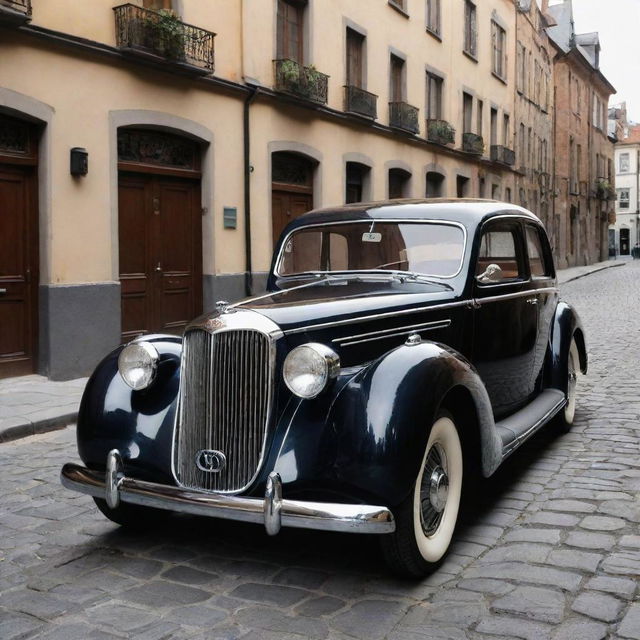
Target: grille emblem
{"type": "Point", "coordinates": [210, 460]}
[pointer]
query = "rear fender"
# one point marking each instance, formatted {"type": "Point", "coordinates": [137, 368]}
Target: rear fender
{"type": "Point", "coordinates": [566, 325]}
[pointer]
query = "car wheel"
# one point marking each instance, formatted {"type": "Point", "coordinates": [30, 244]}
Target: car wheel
{"type": "Point", "coordinates": [131, 516]}
{"type": "Point", "coordinates": [425, 521]}
{"type": "Point", "coordinates": [567, 415]}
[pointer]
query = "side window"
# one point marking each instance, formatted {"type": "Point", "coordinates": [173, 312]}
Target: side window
{"type": "Point", "coordinates": [500, 258]}
{"type": "Point", "coordinates": [537, 263]}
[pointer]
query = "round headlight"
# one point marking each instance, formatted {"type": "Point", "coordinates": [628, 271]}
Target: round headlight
{"type": "Point", "coordinates": [137, 364]}
{"type": "Point", "coordinates": [309, 367]}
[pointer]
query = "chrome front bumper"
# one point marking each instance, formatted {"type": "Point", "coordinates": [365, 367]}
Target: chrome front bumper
{"type": "Point", "coordinates": [274, 511]}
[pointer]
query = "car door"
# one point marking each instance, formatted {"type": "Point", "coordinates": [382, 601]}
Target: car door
{"type": "Point", "coordinates": [505, 323]}
{"type": "Point", "coordinates": [543, 281]}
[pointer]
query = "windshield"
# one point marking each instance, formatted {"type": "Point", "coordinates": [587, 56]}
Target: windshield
{"type": "Point", "coordinates": [423, 248]}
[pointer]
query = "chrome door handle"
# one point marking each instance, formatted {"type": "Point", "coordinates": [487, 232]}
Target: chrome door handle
{"type": "Point", "coordinates": [532, 300]}
{"type": "Point", "coordinates": [158, 268]}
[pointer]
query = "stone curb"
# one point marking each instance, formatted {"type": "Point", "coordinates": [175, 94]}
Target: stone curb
{"type": "Point", "coordinates": [588, 273]}
{"type": "Point", "coordinates": [29, 428]}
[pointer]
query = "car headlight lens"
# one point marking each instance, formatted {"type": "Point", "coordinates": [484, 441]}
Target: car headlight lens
{"type": "Point", "coordinates": [309, 367]}
{"type": "Point", "coordinates": [138, 363]}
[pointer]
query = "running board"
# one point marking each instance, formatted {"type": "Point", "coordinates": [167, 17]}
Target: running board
{"type": "Point", "coordinates": [521, 425]}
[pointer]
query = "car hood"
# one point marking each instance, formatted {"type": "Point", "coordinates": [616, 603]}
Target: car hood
{"type": "Point", "coordinates": [334, 301]}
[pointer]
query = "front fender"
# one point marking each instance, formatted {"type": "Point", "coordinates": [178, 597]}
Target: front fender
{"type": "Point", "coordinates": [372, 436]}
{"type": "Point", "coordinates": [137, 423]}
{"type": "Point", "coordinates": [566, 325]}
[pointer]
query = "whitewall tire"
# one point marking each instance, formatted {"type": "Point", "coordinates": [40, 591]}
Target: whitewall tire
{"type": "Point", "coordinates": [425, 522]}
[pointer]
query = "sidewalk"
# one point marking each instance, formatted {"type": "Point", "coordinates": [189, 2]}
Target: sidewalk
{"type": "Point", "coordinates": [573, 273]}
{"type": "Point", "coordinates": [33, 404]}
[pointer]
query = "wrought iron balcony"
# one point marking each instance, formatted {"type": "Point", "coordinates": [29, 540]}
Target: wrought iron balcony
{"type": "Point", "coordinates": [306, 82]}
{"type": "Point", "coordinates": [161, 34]}
{"type": "Point", "coordinates": [440, 132]}
{"type": "Point", "coordinates": [357, 100]}
{"type": "Point", "coordinates": [403, 116]}
{"type": "Point", "coordinates": [472, 143]}
{"type": "Point", "coordinates": [604, 190]}
{"type": "Point", "coordinates": [15, 12]}
{"type": "Point", "coordinates": [503, 155]}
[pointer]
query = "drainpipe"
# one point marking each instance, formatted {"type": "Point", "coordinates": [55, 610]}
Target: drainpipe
{"type": "Point", "coordinates": [248, 275]}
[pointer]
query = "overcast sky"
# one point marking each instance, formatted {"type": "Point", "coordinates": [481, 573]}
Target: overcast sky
{"type": "Point", "coordinates": [618, 22]}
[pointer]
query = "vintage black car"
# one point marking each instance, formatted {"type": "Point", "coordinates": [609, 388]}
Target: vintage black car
{"type": "Point", "coordinates": [401, 347]}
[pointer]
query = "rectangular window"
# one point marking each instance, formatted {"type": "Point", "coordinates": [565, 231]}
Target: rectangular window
{"type": "Point", "coordinates": [355, 49]}
{"type": "Point", "coordinates": [506, 131]}
{"type": "Point", "coordinates": [520, 70]}
{"type": "Point", "coordinates": [433, 16]}
{"type": "Point", "coordinates": [494, 126]}
{"type": "Point", "coordinates": [573, 173]}
{"type": "Point", "coordinates": [480, 117]}
{"type": "Point", "coordinates": [470, 28]}
{"type": "Point", "coordinates": [498, 40]}
{"type": "Point", "coordinates": [289, 35]}
{"type": "Point", "coordinates": [467, 112]}
{"type": "Point", "coordinates": [537, 262]}
{"type": "Point", "coordinates": [396, 71]}
{"type": "Point", "coordinates": [434, 97]}
{"type": "Point", "coordinates": [623, 198]}
{"type": "Point", "coordinates": [522, 147]}
{"type": "Point", "coordinates": [624, 163]}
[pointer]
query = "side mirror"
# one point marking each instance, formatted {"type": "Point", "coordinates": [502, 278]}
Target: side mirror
{"type": "Point", "coordinates": [493, 273]}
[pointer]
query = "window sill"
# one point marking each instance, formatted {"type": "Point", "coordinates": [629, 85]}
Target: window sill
{"type": "Point", "coordinates": [499, 77]}
{"type": "Point", "coordinates": [434, 34]}
{"type": "Point", "coordinates": [470, 55]}
{"type": "Point", "coordinates": [398, 8]}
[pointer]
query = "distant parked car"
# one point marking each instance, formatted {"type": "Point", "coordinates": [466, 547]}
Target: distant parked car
{"type": "Point", "coordinates": [401, 346]}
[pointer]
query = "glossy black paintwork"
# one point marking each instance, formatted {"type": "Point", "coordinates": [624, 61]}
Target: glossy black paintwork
{"type": "Point", "coordinates": [363, 437]}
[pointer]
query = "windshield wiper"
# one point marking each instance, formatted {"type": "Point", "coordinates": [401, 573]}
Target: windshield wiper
{"type": "Point", "coordinates": [399, 276]}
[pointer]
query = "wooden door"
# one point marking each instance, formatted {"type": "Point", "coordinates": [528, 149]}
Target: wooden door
{"type": "Point", "coordinates": [285, 207]}
{"type": "Point", "coordinates": [160, 239]}
{"type": "Point", "coordinates": [18, 270]}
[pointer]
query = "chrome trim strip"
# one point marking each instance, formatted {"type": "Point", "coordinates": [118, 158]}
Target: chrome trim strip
{"type": "Point", "coordinates": [377, 316]}
{"type": "Point", "coordinates": [326, 516]}
{"type": "Point", "coordinates": [538, 425]}
{"type": "Point", "coordinates": [369, 221]}
{"type": "Point", "coordinates": [518, 294]}
{"type": "Point", "coordinates": [391, 333]}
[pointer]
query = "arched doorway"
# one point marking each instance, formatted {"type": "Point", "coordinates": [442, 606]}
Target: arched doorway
{"type": "Point", "coordinates": [435, 185]}
{"type": "Point", "coordinates": [291, 189]}
{"type": "Point", "coordinates": [159, 231]}
{"type": "Point", "coordinates": [19, 267]}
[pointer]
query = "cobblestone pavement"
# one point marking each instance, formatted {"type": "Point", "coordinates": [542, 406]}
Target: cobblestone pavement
{"type": "Point", "coordinates": [552, 552]}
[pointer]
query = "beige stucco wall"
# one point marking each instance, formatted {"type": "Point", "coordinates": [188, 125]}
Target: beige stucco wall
{"type": "Point", "coordinates": [82, 242]}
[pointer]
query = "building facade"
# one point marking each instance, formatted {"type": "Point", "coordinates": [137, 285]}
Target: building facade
{"type": "Point", "coordinates": [624, 235]}
{"type": "Point", "coordinates": [583, 173]}
{"type": "Point", "coordinates": [151, 152]}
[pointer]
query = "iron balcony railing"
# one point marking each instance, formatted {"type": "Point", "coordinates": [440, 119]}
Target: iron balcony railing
{"type": "Point", "coordinates": [306, 82]}
{"type": "Point", "coordinates": [357, 100]}
{"type": "Point", "coordinates": [21, 6]}
{"type": "Point", "coordinates": [163, 34]}
{"type": "Point", "coordinates": [440, 132]}
{"type": "Point", "coordinates": [403, 116]}
{"type": "Point", "coordinates": [472, 143]}
{"type": "Point", "coordinates": [503, 155]}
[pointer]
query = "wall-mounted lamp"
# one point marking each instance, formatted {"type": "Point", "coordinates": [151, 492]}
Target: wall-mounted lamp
{"type": "Point", "coordinates": [79, 162]}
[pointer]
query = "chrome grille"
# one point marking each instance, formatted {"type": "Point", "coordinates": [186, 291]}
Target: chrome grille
{"type": "Point", "coordinates": [224, 404]}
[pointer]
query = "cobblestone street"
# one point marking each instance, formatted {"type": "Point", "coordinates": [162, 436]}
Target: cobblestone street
{"type": "Point", "coordinates": [552, 551]}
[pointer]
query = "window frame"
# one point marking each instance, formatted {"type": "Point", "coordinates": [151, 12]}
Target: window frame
{"type": "Point", "coordinates": [520, 249]}
{"type": "Point", "coordinates": [627, 157]}
{"type": "Point", "coordinates": [499, 50]}
{"type": "Point", "coordinates": [547, 263]}
{"type": "Point", "coordinates": [470, 41]}
{"type": "Point", "coordinates": [433, 79]}
{"type": "Point", "coordinates": [434, 7]}
{"type": "Point", "coordinates": [626, 200]}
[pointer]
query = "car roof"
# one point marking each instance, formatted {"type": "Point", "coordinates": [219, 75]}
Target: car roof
{"type": "Point", "coordinates": [468, 211]}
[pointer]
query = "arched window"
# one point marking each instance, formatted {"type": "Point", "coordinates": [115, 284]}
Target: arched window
{"type": "Point", "coordinates": [435, 185]}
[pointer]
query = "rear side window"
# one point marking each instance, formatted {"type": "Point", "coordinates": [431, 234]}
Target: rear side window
{"type": "Point", "coordinates": [499, 247]}
{"type": "Point", "coordinates": [537, 262]}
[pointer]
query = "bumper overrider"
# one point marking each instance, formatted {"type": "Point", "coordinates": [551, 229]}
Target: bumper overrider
{"type": "Point", "coordinates": [273, 511]}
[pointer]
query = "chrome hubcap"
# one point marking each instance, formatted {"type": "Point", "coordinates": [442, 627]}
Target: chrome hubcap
{"type": "Point", "coordinates": [439, 489]}
{"type": "Point", "coordinates": [434, 490]}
